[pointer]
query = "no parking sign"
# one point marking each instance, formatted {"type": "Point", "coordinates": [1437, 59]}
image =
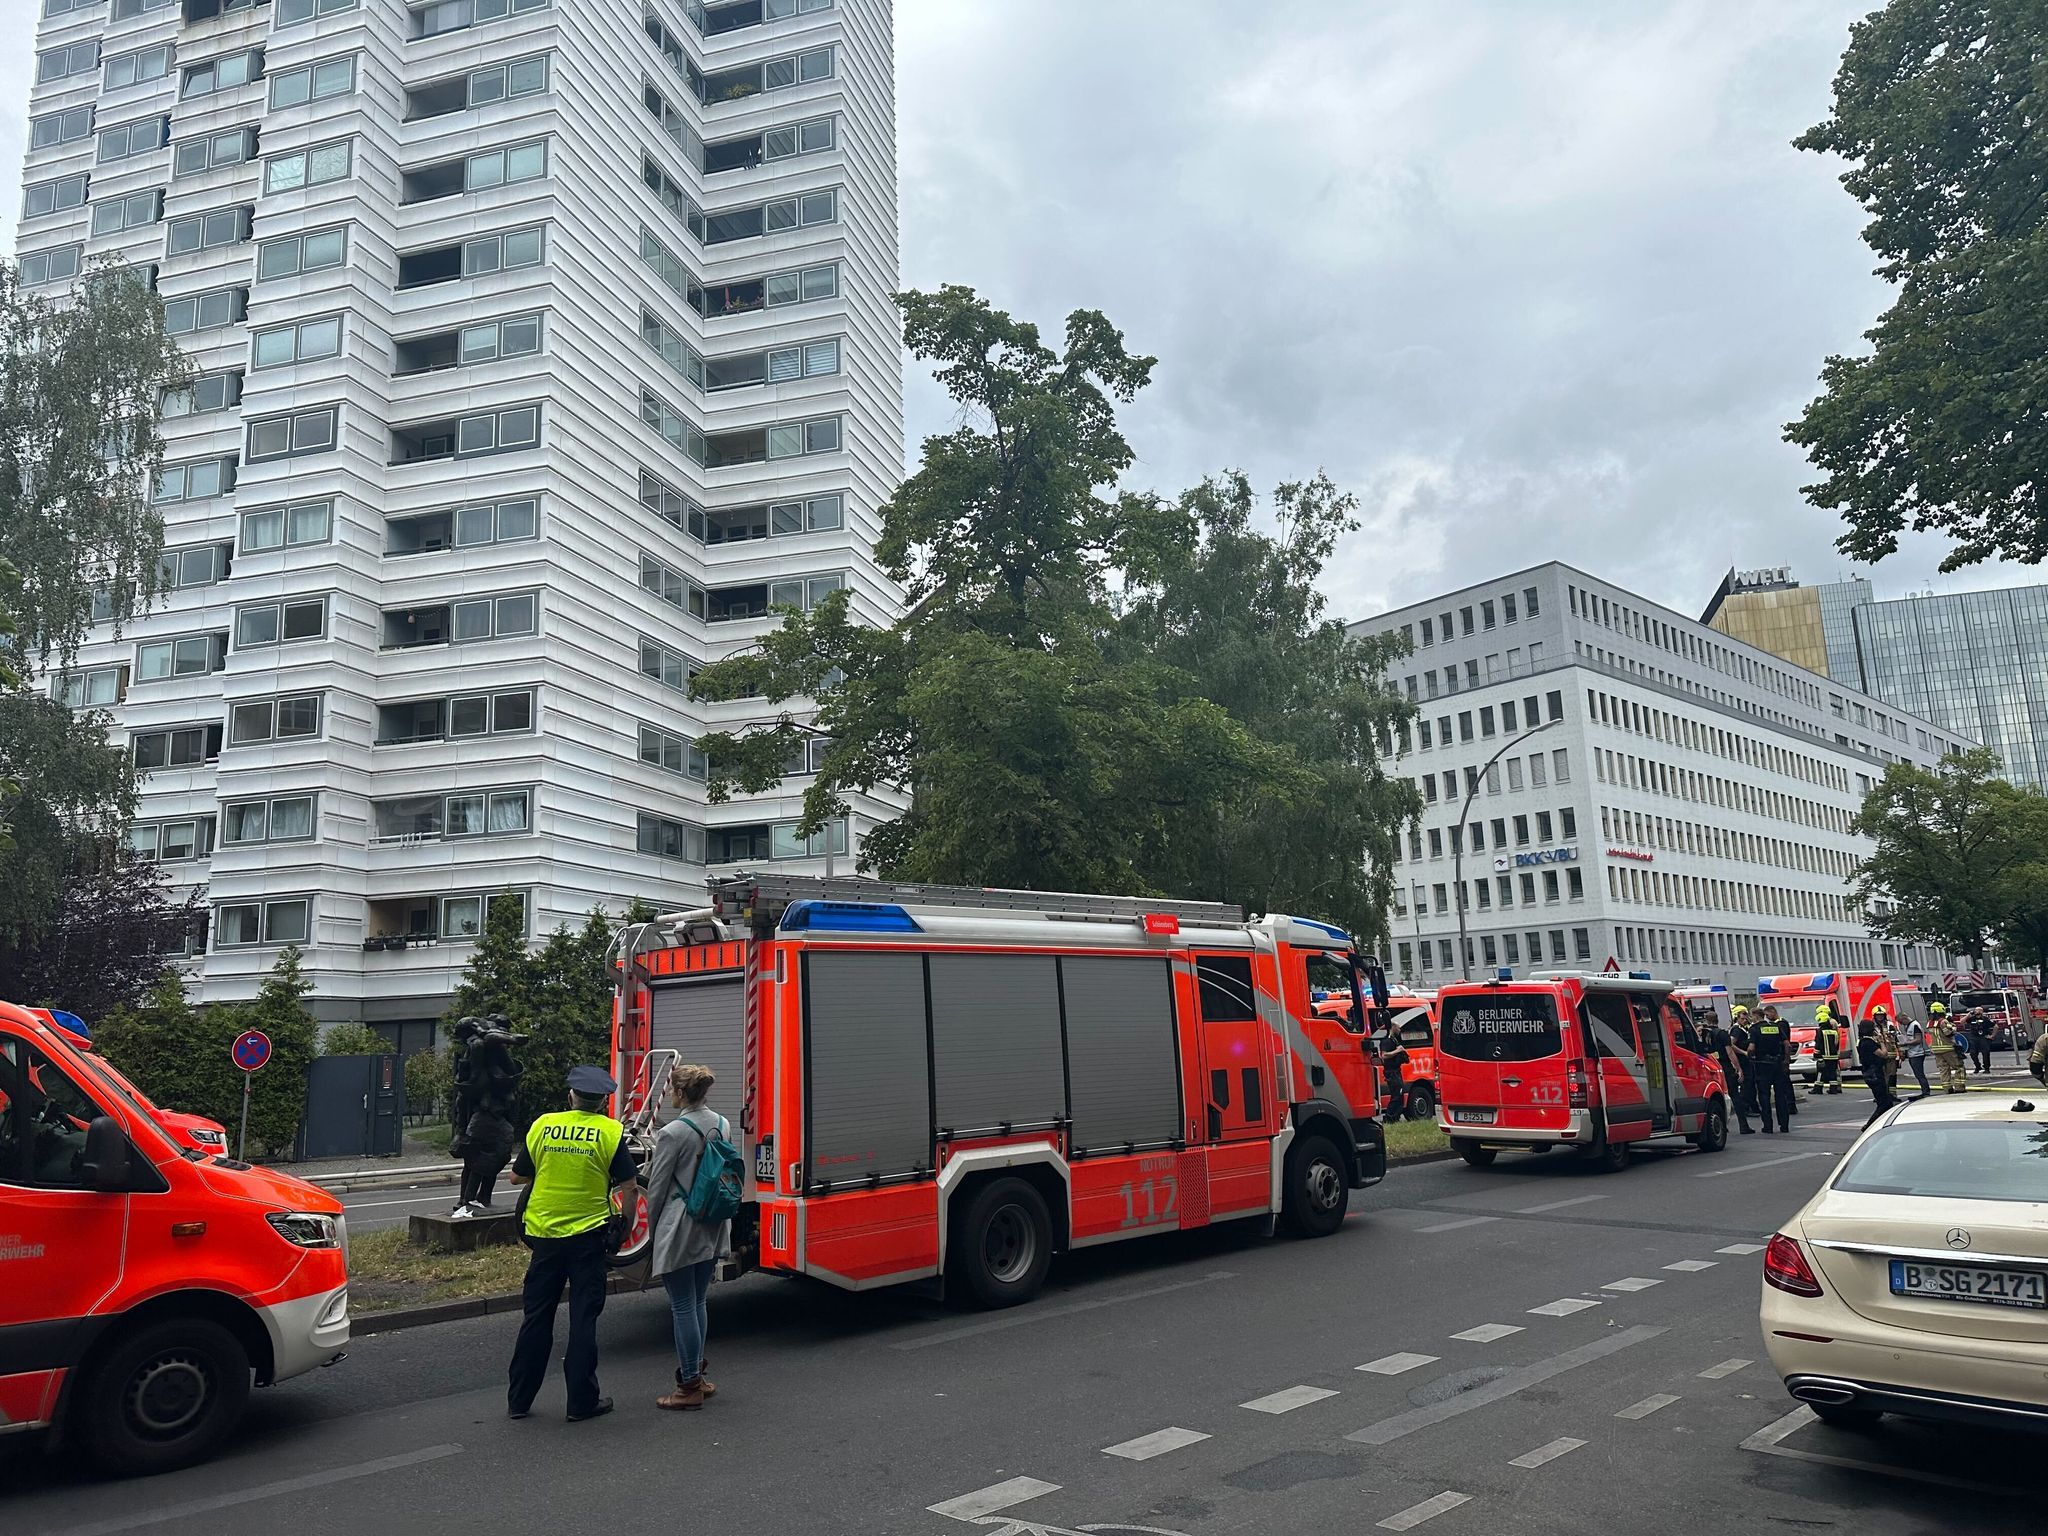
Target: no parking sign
{"type": "Point", "coordinates": [250, 1051]}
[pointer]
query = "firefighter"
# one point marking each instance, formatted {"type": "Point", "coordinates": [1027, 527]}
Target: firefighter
{"type": "Point", "coordinates": [2037, 1059]}
{"type": "Point", "coordinates": [1770, 1050]}
{"type": "Point", "coordinates": [1827, 1051]}
{"type": "Point", "coordinates": [1947, 1053]}
{"type": "Point", "coordinates": [572, 1161]}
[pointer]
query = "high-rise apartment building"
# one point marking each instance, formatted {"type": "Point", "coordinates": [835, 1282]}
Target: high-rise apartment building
{"type": "Point", "coordinates": [1605, 782]}
{"type": "Point", "coordinates": [1974, 663]}
{"type": "Point", "coordinates": [543, 352]}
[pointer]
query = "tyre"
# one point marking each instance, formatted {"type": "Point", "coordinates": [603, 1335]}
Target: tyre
{"type": "Point", "coordinates": [163, 1397]}
{"type": "Point", "coordinates": [1422, 1102]}
{"type": "Point", "coordinates": [1474, 1154]}
{"type": "Point", "coordinates": [1608, 1156]}
{"type": "Point", "coordinates": [1845, 1415]}
{"type": "Point", "coordinates": [1003, 1244]}
{"type": "Point", "coordinates": [1713, 1136]}
{"type": "Point", "coordinates": [1318, 1188]}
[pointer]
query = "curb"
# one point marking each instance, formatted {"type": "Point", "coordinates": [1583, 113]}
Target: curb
{"type": "Point", "coordinates": [1420, 1157]}
{"type": "Point", "coordinates": [396, 1319]}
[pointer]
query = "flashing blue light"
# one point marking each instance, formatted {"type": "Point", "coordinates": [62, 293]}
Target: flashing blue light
{"type": "Point", "coordinates": [1336, 933]}
{"type": "Point", "coordinates": [847, 917]}
{"type": "Point", "coordinates": [1764, 987]}
{"type": "Point", "coordinates": [1640, 976]}
{"type": "Point", "coordinates": [1505, 973]}
{"type": "Point", "coordinates": [72, 1022]}
{"type": "Point", "coordinates": [1824, 981]}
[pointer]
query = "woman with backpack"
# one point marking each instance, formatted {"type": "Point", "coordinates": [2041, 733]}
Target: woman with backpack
{"type": "Point", "coordinates": [691, 1221]}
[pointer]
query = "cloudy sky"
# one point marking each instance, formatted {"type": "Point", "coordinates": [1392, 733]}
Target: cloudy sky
{"type": "Point", "coordinates": [1534, 278]}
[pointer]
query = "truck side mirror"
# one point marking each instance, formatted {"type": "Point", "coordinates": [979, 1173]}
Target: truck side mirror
{"type": "Point", "coordinates": [107, 1155]}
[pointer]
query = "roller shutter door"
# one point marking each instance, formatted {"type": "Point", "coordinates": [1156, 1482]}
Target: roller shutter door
{"type": "Point", "coordinates": [996, 1041]}
{"type": "Point", "coordinates": [705, 1021]}
{"type": "Point", "coordinates": [869, 1070]}
{"type": "Point", "coordinates": [1123, 1055]}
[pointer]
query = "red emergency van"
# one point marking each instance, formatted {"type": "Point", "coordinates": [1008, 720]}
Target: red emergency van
{"type": "Point", "coordinates": [143, 1286]}
{"type": "Point", "coordinates": [194, 1131]}
{"type": "Point", "coordinates": [933, 1082]}
{"type": "Point", "coordinates": [1413, 1019]}
{"type": "Point", "coordinates": [1854, 995]}
{"type": "Point", "coordinates": [1602, 1063]}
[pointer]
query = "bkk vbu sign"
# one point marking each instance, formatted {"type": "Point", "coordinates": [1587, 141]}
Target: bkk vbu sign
{"type": "Point", "coordinates": [1567, 853]}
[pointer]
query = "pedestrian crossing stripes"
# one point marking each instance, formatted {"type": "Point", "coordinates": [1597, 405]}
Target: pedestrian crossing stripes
{"type": "Point", "coordinates": [1691, 1266]}
{"type": "Point", "coordinates": [1550, 1452]}
{"type": "Point", "coordinates": [1647, 1406]}
{"type": "Point", "coordinates": [1725, 1368]}
{"type": "Point", "coordinates": [1740, 1249]}
{"type": "Point", "coordinates": [993, 1499]}
{"type": "Point", "coordinates": [1632, 1283]}
{"type": "Point", "coordinates": [1563, 1307]}
{"type": "Point", "coordinates": [1158, 1443]}
{"type": "Point", "coordinates": [1287, 1399]}
{"type": "Point", "coordinates": [1428, 1509]}
{"type": "Point", "coordinates": [1486, 1333]}
{"type": "Point", "coordinates": [1394, 1365]}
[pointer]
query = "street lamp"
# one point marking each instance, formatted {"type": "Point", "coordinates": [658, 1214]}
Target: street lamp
{"type": "Point", "coordinates": [1458, 842]}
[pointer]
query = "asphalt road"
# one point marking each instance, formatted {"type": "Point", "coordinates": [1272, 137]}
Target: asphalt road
{"type": "Point", "coordinates": [372, 1210]}
{"type": "Point", "coordinates": [1532, 1348]}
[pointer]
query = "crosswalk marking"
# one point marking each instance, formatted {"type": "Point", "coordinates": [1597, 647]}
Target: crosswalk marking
{"type": "Point", "coordinates": [1549, 1452]}
{"type": "Point", "coordinates": [1394, 1365]}
{"type": "Point", "coordinates": [1632, 1283]}
{"type": "Point", "coordinates": [1691, 1266]}
{"type": "Point", "coordinates": [995, 1497]}
{"type": "Point", "coordinates": [1452, 1226]}
{"type": "Point", "coordinates": [1428, 1509]}
{"type": "Point", "coordinates": [1647, 1406]}
{"type": "Point", "coordinates": [1486, 1333]}
{"type": "Point", "coordinates": [1564, 1307]}
{"type": "Point", "coordinates": [1725, 1368]}
{"type": "Point", "coordinates": [1287, 1399]}
{"type": "Point", "coordinates": [1158, 1443]}
{"type": "Point", "coordinates": [1741, 1248]}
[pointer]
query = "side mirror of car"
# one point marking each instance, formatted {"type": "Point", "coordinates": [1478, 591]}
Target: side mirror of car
{"type": "Point", "coordinates": [108, 1155]}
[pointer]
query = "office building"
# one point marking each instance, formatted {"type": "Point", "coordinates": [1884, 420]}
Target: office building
{"type": "Point", "coordinates": [542, 353]}
{"type": "Point", "coordinates": [1973, 663]}
{"type": "Point", "coordinates": [1609, 783]}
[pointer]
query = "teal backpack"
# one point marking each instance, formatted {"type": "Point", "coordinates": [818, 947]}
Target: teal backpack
{"type": "Point", "coordinates": [714, 1195]}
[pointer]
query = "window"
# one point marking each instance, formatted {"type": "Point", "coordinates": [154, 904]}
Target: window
{"type": "Point", "coordinates": [453, 15]}
{"type": "Point", "coordinates": [241, 925]}
{"type": "Point", "coordinates": [778, 365]}
{"type": "Point", "coordinates": [55, 196]}
{"type": "Point", "coordinates": [468, 436]}
{"type": "Point", "coordinates": [56, 264]}
{"type": "Point", "coordinates": [779, 840]}
{"type": "Point", "coordinates": [199, 565]}
{"type": "Point", "coordinates": [203, 10]}
{"type": "Point", "coordinates": [762, 520]}
{"type": "Point", "coordinates": [137, 68]}
{"type": "Point", "coordinates": [206, 394]}
{"type": "Point", "coordinates": [96, 689]}
{"type": "Point", "coordinates": [188, 746]}
{"type": "Point", "coordinates": [478, 88]}
{"type": "Point", "coordinates": [1553, 702]}
{"type": "Point", "coordinates": [289, 436]}
{"type": "Point", "coordinates": [313, 82]}
{"type": "Point", "coordinates": [312, 167]}
{"type": "Point", "coordinates": [285, 819]}
{"type": "Point", "coordinates": [463, 917]}
{"type": "Point", "coordinates": [63, 63]}
{"type": "Point", "coordinates": [514, 336]}
{"type": "Point", "coordinates": [1529, 603]}
{"type": "Point", "coordinates": [1560, 767]}
{"type": "Point", "coordinates": [1575, 884]}
{"type": "Point", "coordinates": [672, 753]}
{"type": "Point", "coordinates": [292, 255]}
{"type": "Point", "coordinates": [418, 818]}
{"type": "Point", "coordinates": [194, 481]}
{"type": "Point", "coordinates": [462, 621]}
{"type": "Point", "coordinates": [274, 720]}
{"type": "Point", "coordinates": [195, 157]}
{"type": "Point", "coordinates": [222, 74]}
{"type": "Point", "coordinates": [137, 209]}
{"type": "Point", "coordinates": [476, 173]}
{"type": "Point", "coordinates": [669, 839]}
{"type": "Point", "coordinates": [465, 527]}
{"type": "Point", "coordinates": [673, 197]}
{"type": "Point", "coordinates": [768, 218]}
{"type": "Point", "coordinates": [301, 522]}
{"type": "Point", "coordinates": [280, 623]}
{"type": "Point", "coordinates": [289, 13]}
{"type": "Point", "coordinates": [43, 1141]}
{"type": "Point", "coordinates": [1225, 986]}
{"type": "Point", "coordinates": [671, 586]}
{"type": "Point", "coordinates": [207, 231]}
{"type": "Point", "coordinates": [778, 289]}
{"type": "Point", "coordinates": [187, 656]}
{"type": "Point", "coordinates": [807, 138]}
{"type": "Point", "coordinates": [670, 668]}
{"type": "Point", "coordinates": [171, 842]}
{"type": "Point", "coordinates": [470, 714]}
{"type": "Point", "coordinates": [205, 311]}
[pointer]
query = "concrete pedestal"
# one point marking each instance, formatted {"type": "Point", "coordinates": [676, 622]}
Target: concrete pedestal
{"type": "Point", "coordinates": [444, 1234]}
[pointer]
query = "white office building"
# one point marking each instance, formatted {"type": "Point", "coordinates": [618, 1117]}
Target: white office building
{"type": "Point", "coordinates": [543, 350]}
{"type": "Point", "coordinates": [1608, 782]}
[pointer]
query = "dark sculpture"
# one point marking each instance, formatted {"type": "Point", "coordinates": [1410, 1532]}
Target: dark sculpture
{"type": "Point", "coordinates": [486, 1077]}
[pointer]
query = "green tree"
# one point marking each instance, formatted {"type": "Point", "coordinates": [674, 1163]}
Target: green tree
{"type": "Point", "coordinates": [112, 937]}
{"type": "Point", "coordinates": [1949, 843]}
{"type": "Point", "coordinates": [72, 793]}
{"type": "Point", "coordinates": [81, 383]}
{"type": "Point", "coordinates": [1937, 109]}
{"type": "Point", "coordinates": [353, 1038]}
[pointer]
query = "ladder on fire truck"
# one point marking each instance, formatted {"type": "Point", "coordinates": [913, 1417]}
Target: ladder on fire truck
{"type": "Point", "coordinates": [763, 897]}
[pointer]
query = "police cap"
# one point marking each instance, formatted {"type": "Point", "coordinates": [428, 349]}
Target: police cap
{"type": "Point", "coordinates": [594, 1081]}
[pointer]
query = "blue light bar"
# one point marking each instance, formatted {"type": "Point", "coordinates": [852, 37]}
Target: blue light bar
{"type": "Point", "coordinates": [847, 917]}
{"type": "Point", "coordinates": [1336, 933]}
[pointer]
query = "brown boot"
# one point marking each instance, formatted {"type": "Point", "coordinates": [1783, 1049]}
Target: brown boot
{"type": "Point", "coordinates": [687, 1396]}
{"type": "Point", "coordinates": [704, 1383]}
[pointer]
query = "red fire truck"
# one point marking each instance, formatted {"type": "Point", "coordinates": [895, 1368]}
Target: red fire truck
{"type": "Point", "coordinates": [1854, 995]}
{"type": "Point", "coordinates": [956, 1083]}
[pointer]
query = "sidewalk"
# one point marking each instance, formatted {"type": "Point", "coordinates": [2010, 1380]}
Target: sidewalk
{"type": "Point", "coordinates": [413, 1153]}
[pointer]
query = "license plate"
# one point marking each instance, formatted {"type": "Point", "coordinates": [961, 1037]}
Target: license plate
{"type": "Point", "coordinates": [1957, 1282]}
{"type": "Point", "coordinates": [1472, 1117]}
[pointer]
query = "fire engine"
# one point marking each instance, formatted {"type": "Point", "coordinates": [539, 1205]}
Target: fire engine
{"type": "Point", "coordinates": [1412, 1015]}
{"type": "Point", "coordinates": [933, 1082]}
{"type": "Point", "coordinates": [1855, 995]}
{"type": "Point", "coordinates": [207, 1137]}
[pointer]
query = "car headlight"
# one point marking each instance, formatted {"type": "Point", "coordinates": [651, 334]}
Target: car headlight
{"type": "Point", "coordinates": [306, 1229]}
{"type": "Point", "coordinates": [209, 1138]}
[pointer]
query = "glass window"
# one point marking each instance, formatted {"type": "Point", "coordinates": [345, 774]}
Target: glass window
{"type": "Point", "coordinates": [1225, 986]}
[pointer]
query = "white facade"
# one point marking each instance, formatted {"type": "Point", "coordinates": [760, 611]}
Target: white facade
{"type": "Point", "coordinates": [544, 347]}
{"type": "Point", "coordinates": [1659, 797]}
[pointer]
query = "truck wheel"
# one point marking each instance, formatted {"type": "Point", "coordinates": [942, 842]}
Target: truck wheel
{"type": "Point", "coordinates": [1421, 1102]}
{"type": "Point", "coordinates": [164, 1397]}
{"type": "Point", "coordinates": [1474, 1154]}
{"type": "Point", "coordinates": [1713, 1135]}
{"type": "Point", "coordinates": [1317, 1192]}
{"type": "Point", "coordinates": [1003, 1245]}
{"type": "Point", "coordinates": [1608, 1156]}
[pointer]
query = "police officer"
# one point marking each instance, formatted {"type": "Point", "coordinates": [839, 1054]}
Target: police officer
{"type": "Point", "coordinates": [1827, 1051]}
{"type": "Point", "coordinates": [1738, 1045]}
{"type": "Point", "coordinates": [1770, 1054]}
{"type": "Point", "coordinates": [1721, 1046]}
{"type": "Point", "coordinates": [573, 1160]}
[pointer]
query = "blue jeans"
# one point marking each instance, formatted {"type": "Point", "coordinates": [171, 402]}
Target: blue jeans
{"type": "Point", "coordinates": [687, 1288]}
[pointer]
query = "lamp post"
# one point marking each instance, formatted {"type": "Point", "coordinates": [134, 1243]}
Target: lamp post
{"type": "Point", "coordinates": [1458, 841]}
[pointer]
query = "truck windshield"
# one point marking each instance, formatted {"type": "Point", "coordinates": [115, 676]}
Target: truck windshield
{"type": "Point", "coordinates": [1504, 1026]}
{"type": "Point", "coordinates": [1333, 983]}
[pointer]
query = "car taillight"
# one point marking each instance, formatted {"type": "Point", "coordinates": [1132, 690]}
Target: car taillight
{"type": "Point", "coordinates": [1785, 1267]}
{"type": "Point", "coordinates": [1575, 1087]}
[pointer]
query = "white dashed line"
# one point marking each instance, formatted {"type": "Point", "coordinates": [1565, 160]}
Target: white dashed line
{"type": "Point", "coordinates": [1452, 1226]}
{"type": "Point", "coordinates": [1632, 1283]}
{"type": "Point", "coordinates": [1725, 1368]}
{"type": "Point", "coordinates": [1158, 1443]}
{"type": "Point", "coordinates": [1287, 1399]}
{"type": "Point", "coordinates": [1691, 1266]}
{"type": "Point", "coordinates": [1647, 1406]}
{"type": "Point", "coordinates": [997, 1496]}
{"type": "Point", "coordinates": [1768, 1162]}
{"type": "Point", "coordinates": [1428, 1509]}
{"type": "Point", "coordinates": [1549, 1452]}
{"type": "Point", "coordinates": [1558, 1205]}
{"type": "Point", "coordinates": [1394, 1365]}
{"type": "Point", "coordinates": [1486, 1333]}
{"type": "Point", "coordinates": [1741, 1248]}
{"type": "Point", "coordinates": [1563, 1307]}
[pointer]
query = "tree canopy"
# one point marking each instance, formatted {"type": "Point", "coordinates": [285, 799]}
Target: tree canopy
{"type": "Point", "coordinates": [1938, 108]}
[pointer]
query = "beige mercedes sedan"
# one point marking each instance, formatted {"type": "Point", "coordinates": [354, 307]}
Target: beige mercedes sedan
{"type": "Point", "coordinates": [1916, 1281]}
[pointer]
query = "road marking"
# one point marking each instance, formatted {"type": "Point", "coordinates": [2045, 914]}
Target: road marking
{"type": "Point", "coordinates": [1647, 1406]}
{"type": "Point", "coordinates": [1486, 1333]}
{"type": "Point", "coordinates": [1766, 1162]}
{"type": "Point", "coordinates": [1386, 1431]}
{"type": "Point", "coordinates": [1558, 1205]}
{"type": "Point", "coordinates": [1158, 1443]}
{"type": "Point", "coordinates": [371, 1205]}
{"type": "Point", "coordinates": [1287, 1399]}
{"type": "Point", "coordinates": [995, 1497]}
{"type": "Point", "coordinates": [1040, 1314]}
{"type": "Point", "coordinates": [1632, 1283]}
{"type": "Point", "coordinates": [163, 1512]}
{"type": "Point", "coordinates": [1428, 1509]}
{"type": "Point", "coordinates": [1691, 1266]}
{"type": "Point", "coordinates": [1563, 1307]}
{"type": "Point", "coordinates": [1549, 1452]}
{"type": "Point", "coordinates": [1452, 1226]}
{"type": "Point", "coordinates": [1725, 1368]}
{"type": "Point", "coordinates": [1394, 1365]}
{"type": "Point", "coordinates": [1741, 1248]}
{"type": "Point", "coordinates": [1765, 1442]}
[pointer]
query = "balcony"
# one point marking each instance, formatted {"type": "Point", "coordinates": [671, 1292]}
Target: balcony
{"type": "Point", "coordinates": [406, 922]}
